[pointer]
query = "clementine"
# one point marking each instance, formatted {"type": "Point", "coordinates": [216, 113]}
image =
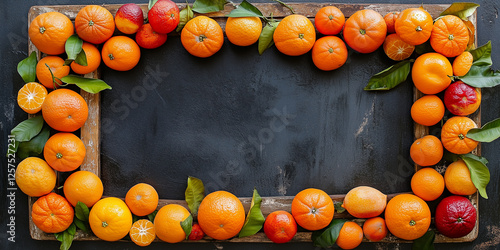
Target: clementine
{"type": "Point", "coordinates": [31, 97]}
{"type": "Point", "coordinates": [295, 35]}
{"type": "Point", "coordinates": [462, 63]}
{"type": "Point", "coordinates": [243, 31]}
{"type": "Point", "coordinates": [312, 209]}
{"type": "Point", "coordinates": [142, 199]}
{"type": "Point", "coordinates": [202, 36]}
{"type": "Point", "coordinates": [350, 236]}
{"type": "Point", "coordinates": [431, 73]}
{"type": "Point", "coordinates": [93, 60]}
{"type": "Point", "coordinates": [168, 223]}
{"type": "Point", "coordinates": [426, 151]}
{"type": "Point", "coordinates": [57, 67]}
{"type": "Point", "coordinates": [329, 53]}
{"type": "Point", "coordinates": [35, 177]}
{"type": "Point", "coordinates": [94, 24]}
{"type": "Point", "coordinates": [142, 232]}
{"type": "Point", "coordinates": [121, 53]}
{"type": "Point", "coordinates": [83, 186]}
{"type": "Point", "coordinates": [407, 216]}
{"type": "Point", "coordinates": [65, 110]}
{"type": "Point", "coordinates": [49, 32]}
{"type": "Point", "coordinates": [110, 219]}
{"type": "Point", "coordinates": [397, 49]}
{"type": "Point", "coordinates": [428, 110]}
{"type": "Point", "coordinates": [414, 26]}
{"type": "Point", "coordinates": [427, 184]}
{"type": "Point", "coordinates": [329, 20]}
{"type": "Point", "coordinates": [453, 135]}
{"type": "Point", "coordinates": [52, 213]}
{"type": "Point", "coordinates": [64, 152]}
{"type": "Point", "coordinates": [365, 31]}
{"type": "Point", "coordinates": [449, 36]}
{"type": "Point", "coordinates": [457, 179]}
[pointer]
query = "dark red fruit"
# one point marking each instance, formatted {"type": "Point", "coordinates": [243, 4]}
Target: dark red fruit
{"type": "Point", "coordinates": [455, 216]}
{"type": "Point", "coordinates": [196, 232]}
{"type": "Point", "coordinates": [462, 99]}
{"type": "Point", "coordinates": [280, 227]}
{"type": "Point", "coordinates": [129, 18]}
{"type": "Point", "coordinates": [164, 16]}
{"type": "Point", "coordinates": [147, 38]}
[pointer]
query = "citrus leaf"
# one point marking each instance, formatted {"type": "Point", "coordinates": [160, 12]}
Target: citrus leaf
{"type": "Point", "coordinates": [390, 77]}
{"type": "Point", "coordinates": [195, 192]}
{"type": "Point", "coordinates": [90, 85]}
{"type": "Point", "coordinates": [187, 225]}
{"type": "Point", "coordinates": [184, 16]}
{"type": "Point", "coordinates": [481, 159]}
{"type": "Point", "coordinates": [266, 36]}
{"type": "Point", "coordinates": [255, 219]}
{"type": "Point", "coordinates": [34, 147]}
{"type": "Point", "coordinates": [482, 55]}
{"type": "Point", "coordinates": [82, 211]}
{"type": "Point", "coordinates": [207, 6]}
{"type": "Point", "coordinates": [462, 10]}
{"type": "Point", "coordinates": [245, 9]}
{"type": "Point", "coordinates": [66, 237]}
{"type": "Point", "coordinates": [338, 207]}
{"type": "Point", "coordinates": [481, 77]}
{"type": "Point", "coordinates": [426, 242]}
{"type": "Point", "coordinates": [479, 172]}
{"type": "Point", "coordinates": [84, 226]}
{"type": "Point", "coordinates": [134, 218]}
{"type": "Point", "coordinates": [73, 47]}
{"type": "Point", "coordinates": [27, 68]}
{"type": "Point", "coordinates": [81, 58]}
{"type": "Point", "coordinates": [424, 48]}
{"type": "Point", "coordinates": [328, 236]}
{"type": "Point", "coordinates": [286, 5]}
{"type": "Point", "coordinates": [488, 133]}
{"type": "Point", "coordinates": [151, 3]}
{"type": "Point", "coordinates": [152, 215]}
{"type": "Point", "coordinates": [28, 129]}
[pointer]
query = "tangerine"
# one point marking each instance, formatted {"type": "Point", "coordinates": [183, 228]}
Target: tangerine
{"type": "Point", "coordinates": [428, 110]}
{"type": "Point", "coordinates": [453, 135]}
{"type": "Point", "coordinates": [142, 199]}
{"type": "Point", "coordinates": [329, 20]}
{"type": "Point", "coordinates": [295, 35]}
{"type": "Point", "coordinates": [31, 97]}
{"type": "Point", "coordinates": [56, 66]}
{"type": "Point", "coordinates": [243, 31]}
{"type": "Point", "coordinates": [110, 219]}
{"type": "Point", "coordinates": [462, 63]}
{"type": "Point", "coordinates": [426, 151]}
{"type": "Point", "coordinates": [168, 223]}
{"type": "Point", "coordinates": [397, 49]}
{"type": "Point", "coordinates": [93, 60]}
{"type": "Point", "coordinates": [49, 32]}
{"type": "Point", "coordinates": [329, 53]}
{"type": "Point", "coordinates": [457, 179]}
{"type": "Point", "coordinates": [312, 209]}
{"type": "Point", "coordinates": [142, 232]}
{"type": "Point", "coordinates": [414, 26]}
{"type": "Point", "coordinates": [407, 216]}
{"type": "Point", "coordinates": [449, 36]}
{"type": "Point", "coordinates": [64, 152]}
{"type": "Point", "coordinates": [431, 73]}
{"type": "Point", "coordinates": [52, 213]}
{"type": "Point", "coordinates": [202, 36]}
{"type": "Point", "coordinates": [83, 186]}
{"type": "Point", "coordinates": [350, 236]}
{"type": "Point", "coordinates": [365, 31]}
{"type": "Point", "coordinates": [65, 110]}
{"type": "Point", "coordinates": [94, 24]}
{"type": "Point", "coordinates": [35, 177]}
{"type": "Point", "coordinates": [121, 53]}
{"type": "Point", "coordinates": [427, 184]}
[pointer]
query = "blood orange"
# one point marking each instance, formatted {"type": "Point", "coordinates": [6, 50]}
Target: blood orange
{"type": "Point", "coordinates": [455, 216]}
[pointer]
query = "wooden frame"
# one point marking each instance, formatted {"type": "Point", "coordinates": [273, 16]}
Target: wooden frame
{"type": "Point", "coordinates": [90, 132]}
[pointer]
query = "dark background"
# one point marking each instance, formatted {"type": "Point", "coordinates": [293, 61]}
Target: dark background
{"type": "Point", "coordinates": [221, 119]}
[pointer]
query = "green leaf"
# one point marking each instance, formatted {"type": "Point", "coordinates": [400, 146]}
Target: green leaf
{"type": "Point", "coordinates": [255, 219]}
{"type": "Point", "coordinates": [71, 229]}
{"type": "Point", "coordinates": [482, 55]}
{"type": "Point", "coordinates": [481, 77]}
{"type": "Point", "coordinates": [73, 47]}
{"type": "Point", "coordinates": [195, 192]}
{"type": "Point", "coordinates": [338, 207]}
{"type": "Point", "coordinates": [184, 16]}
{"type": "Point", "coordinates": [266, 36]}
{"type": "Point", "coordinates": [27, 68]}
{"type": "Point", "coordinates": [152, 215]}
{"type": "Point", "coordinates": [245, 9]}
{"type": "Point", "coordinates": [187, 225]}
{"type": "Point", "coordinates": [34, 147]}
{"type": "Point", "coordinates": [326, 237]}
{"type": "Point", "coordinates": [84, 226]}
{"type": "Point", "coordinates": [28, 129]}
{"type": "Point", "coordinates": [207, 6]}
{"type": "Point", "coordinates": [462, 10]}
{"type": "Point", "coordinates": [426, 242]}
{"type": "Point", "coordinates": [66, 237]}
{"type": "Point", "coordinates": [481, 159]}
{"type": "Point", "coordinates": [82, 211]}
{"type": "Point", "coordinates": [90, 85]}
{"type": "Point", "coordinates": [488, 133]}
{"type": "Point", "coordinates": [424, 48]}
{"type": "Point", "coordinates": [286, 5]}
{"type": "Point", "coordinates": [390, 77]}
{"type": "Point", "coordinates": [450, 157]}
{"type": "Point", "coordinates": [479, 172]}
{"type": "Point", "coordinates": [81, 58]}
{"type": "Point", "coordinates": [151, 3]}
{"type": "Point", "coordinates": [135, 218]}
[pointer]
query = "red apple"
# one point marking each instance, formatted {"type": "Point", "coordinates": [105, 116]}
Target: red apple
{"type": "Point", "coordinates": [164, 16]}
{"type": "Point", "coordinates": [129, 18]}
{"type": "Point", "coordinates": [455, 216]}
{"type": "Point", "coordinates": [462, 99]}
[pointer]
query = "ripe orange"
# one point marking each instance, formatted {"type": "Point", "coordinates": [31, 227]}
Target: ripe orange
{"type": "Point", "coordinates": [110, 219]}
{"type": "Point", "coordinates": [390, 20]}
{"type": "Point", "coordinates": [397, 49]}
{"type": "Point", "coordinates": [329, 53]}
{"type": "Point", "coordinates": [243, 31]}
{"type": "Point", "coordinates": [31, 96]}
{"type": "Point", "coordinates": [375, 229]}
{"type": "Point", "coordinates": [329, 20]}
{"type": "Point", "coordinates": [93, 60]}
{"type": "Point", "coordinates": [142, 199]}
{"type": "Point", "coordinates": [49, 32]}
{"type": "Point", "coordinates": [449, 36]}
{"type": "Point", "coordinates": [414, 26]}
{"type": "Point", "coordinates": [350, 236]}
{"type": "Point", "coordinates": [64, 152]}
{"type": "Point", "coordinates": [364, 202]}
{"type": "Point", "coordinates": [312, 209]}
{"type": "Point", "coordinates": [430, 73]}
{"type": "Point", "coordinates": [280, 227]}
{"type": "Point", "coordinates": [65, 110]}
{"type": "Point", "coordinates": [94, 24]}
{"type": "Point", "coordinates": [35, 177]}
{"type": "Point", "coordinates": [57, 67]}
{"type": "Point", "coordinates": [462, 64]}
{"type": "Point", "coordinates": [453, 135]}
{"type": "Point", "coordinates": [407, 216]}
{"type": "Point", "coordinates": [427, 184]}
{"type": "Point", "coordinates": [428, 110]}
{"type": "Point", "coordinates": [121, 53]}
{"type": "Point", "coordinates": [457, 179]}
{"type": "Point", "coordinates": [202, 36]}
{"type": "Point", "coordinates": [295, 35]}
{"type": "Point", "coordinates": [52, 213]}
{"type": "Point", "coordinates": [218, 221]}
{"type": "Point", "coordinates": [426, 151]}
{"type": "Point", "coordinates": [142, 232]}
{"type": "Point", "coordinates": [168, 223]}
{"type": "Point", "coordinates": [365, 31]}
{"type": "Point", "coordinates": [83, 186]}
{"type": "Point", "coordinates": [147, 38]}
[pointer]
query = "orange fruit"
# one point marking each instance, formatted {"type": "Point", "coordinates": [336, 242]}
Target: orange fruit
{"type": "Point", "coordinates": [93, 60]}
{"type": "Point", "coordinates": [453, 135]}
{"type": "Point", "coordinates": [49, 32]}
{"type": "Point", "coordinates": [329, 53]}
{"type": "Point", "coordinates": [462, 99]}
{"type": "Point", "coordinates": [147, 38]}
{"type": "Point", "coordinates": [427, 184]}
{"type": "Point", "coordinates": [110, 219]}
{"type": "Point", "coordinates": [168, 223]}
{"type": "Point", "coordinates": [52, 213]}
{"type": "Point", "coordinates": [280, 227]}
{"type": "Point", "coordinates": [202, 36]}
{"type": "Point", "coordinates": [462, 63]}
{"type": "Point", "coordinates": [221, 222]}
{"type": "Point", "coordinates": [243, 31]}
{"type": "Point", "coordinates": [350, 236]}
{"type": "Point", "coordinates": [31, 96]}
{"type": "Point", "coordinates": [129, 18]}
{"type": "Point", "coordinates": [57, 67]}
{"type": "Point", "coordinates": [64, 152]}
{"type": "Point", "coordinates": [65, 110]}
{"type": "Point", "coordinates": [407, 216]}
{"type": "Point", "coordinates": [94, 24]}
{"type": "Point", "coordinates": [428, 110]}
{"type": "Point", "coordinates": [83, 186]}
{"type": "Point", "coordinates": [364, 202]}
{"type": "Point", "coordinates": [426, 151]}
{"type": "Point", "coordinates": [375, 229]}
{"type": "Point", "coordinates": [142, 199]}
{"type": "Point", "coordinates": [449, 36]}
{"type": "Point", "coordinates": [142, 232]}
{"type": "Point", "coordinates": [414, 26]}
{"type": "Point", "coordinates": [457, 179]}
{"type": "Point", "coordinates": [295, 35]}
{"type": "Point", "coordinates": [430, 73]}
{"type": "Point", "coordinates": [365, 31]}
{"type": "Point", "coordinates": [390, 20]}
{"type": "Point", "coordinates": [329, 20]}
{"type": "Point", "coordinates": [397, 49]}
{"type": "Point", "coordinates": [121, 53]}
{"type": "Point", "coordinates": [35, 177]}
{"type": "Point", "coordinates": [312, 209]}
